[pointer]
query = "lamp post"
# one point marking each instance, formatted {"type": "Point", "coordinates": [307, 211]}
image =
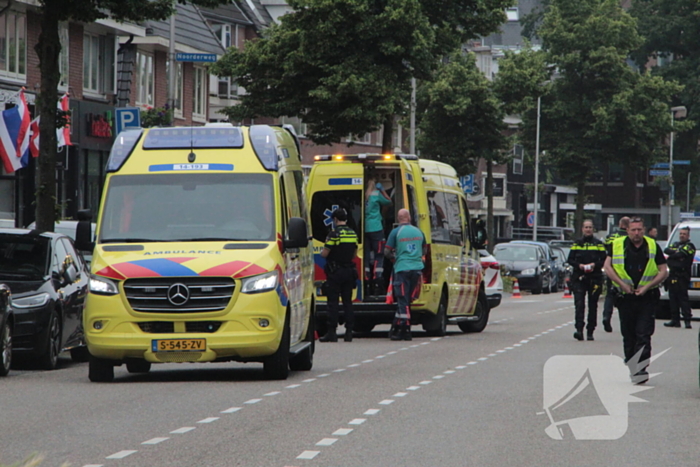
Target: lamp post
{"type": "Point", "coordinates": [537, 172]}
{"type": "Point", "coordinates": [671, 191]}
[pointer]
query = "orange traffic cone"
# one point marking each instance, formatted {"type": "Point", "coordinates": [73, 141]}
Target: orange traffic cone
{"type": "Point", "coordinates": [567, 291]}
{"type": "Point", "coordinates": [516, 289]}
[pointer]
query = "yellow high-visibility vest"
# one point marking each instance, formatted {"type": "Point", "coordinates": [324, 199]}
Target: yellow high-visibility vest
{"type": "Point", "coordinates": [618, 263]}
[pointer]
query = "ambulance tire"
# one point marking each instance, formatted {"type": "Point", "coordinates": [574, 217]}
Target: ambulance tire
{"type": "Point", "coordinates": [100, 370]}
{"type": "Point", "coordinates": [276, 366]}
{"type": "Point", "coordinates": [304, 360]}
{"type": "Point", "coordinates": [437, 325]}
{"type": "Point", "coordinates": [482, 311]}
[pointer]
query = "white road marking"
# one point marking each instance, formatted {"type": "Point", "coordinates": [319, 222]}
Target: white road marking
{"type": "Point", "coordinates": [339, 370]}
{"type": "Point", "coordinates": [380, 356]}
{"type": "Point", "coordinates": [500, 351]}
{"type": "Point", "coordinates": [310, 380]}
{"type": "Point", "coordinates": [460, 367]}
{"type": "Point", "coordinates": [120, 454]}
{"type": "Point", "coordinates": [449, 372]}
{"type": "Point", "coordinates": [413, 388]}
{"type": "Point", "coordinates": [155, 440]}
{"type": "Point", "coordinates": [435, 339]}
{"type": "Point", "coordinates": [425, 382]}
{"type": "Point", "coordinates": [472, 363]}
{"type": "Point", "coordinates": [326, 441]}
{"type": "Point", "coordinates": [438, 376]}
{"type": "Point", "coordinates": [93, 465]}
{"type": "Point", "coordinates": [293, 386]}
{"type": "Point", "coordinates": [371, 412]}
{"type": "Point", "coordinates": [308, 454]}
{"type": "Point", "coordinates": [323, 375]}
{"type": "Point", "coordinates": [231, 410]}
{"type": "Point", "coordinates": [273, 393]}
{"type": "Point", "coordinates": [353, 365]}
{"type": "Point", "coordinates": [509, 348]}
{"type": "Point", "coordinates": [357, 421]}
{"type": "Point", "coordinates": [415, 345]}
{"type": "Point", "coordinates": [252, 401]}
{"type": "Point", "coordinates": [492, 355]}
{"type": "Point", "coordinates": [208, 420]}
{"type": "Point", "coordinates": [392, 352]}
{"type": "Point", "coordinates": [425, 343]}
{"type": "Point", "coordinates": [182, 430]}
{"type": "Point", "coordinates": [386, 402]}
{"type": "Point", "coordinates": [400, 394]}
{"type": "Point", "coordinates": [517, 345]}
{"type": "Point", "coordinates": [342, 431]}
{"type": "Point", "coordinates": [482, 359]}
{"type": "Point", "coordinates": [525, 341]}
{"type": "Point", "coordinates": [368, 361]}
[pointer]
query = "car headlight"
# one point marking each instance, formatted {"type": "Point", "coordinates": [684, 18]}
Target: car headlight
{"type": "Point", "coordinates": [261, 283]}
{"type": "Point", "coordinates": [102, 286]}
{"type": "Point", "coordinates": [528, 272]}
{"type": "Point", "coordinates": [34, 301]}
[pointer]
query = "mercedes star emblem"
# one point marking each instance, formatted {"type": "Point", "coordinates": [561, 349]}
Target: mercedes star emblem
{"type": "Point", "coordinates": [178, 294]}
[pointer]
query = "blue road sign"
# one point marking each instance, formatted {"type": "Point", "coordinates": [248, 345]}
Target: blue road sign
{"type": "Point", "coordinates": [183, 57]}
{"type": "Point", "coordinates": [531, 219]}
{"type": "Point", "coordinates": [467, 182]}
{"type": "Point", "coordinates": [681, 162]}
{"type": "Point", "coordinates": [660, 165]}
{"type": "Point", "coordinates": [660, 173]}
{"type": "Point", "coordinates": [127, 117]}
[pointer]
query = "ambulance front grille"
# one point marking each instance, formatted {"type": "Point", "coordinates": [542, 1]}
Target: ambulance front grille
{"type": "Point", "coordinates": [179, 294]}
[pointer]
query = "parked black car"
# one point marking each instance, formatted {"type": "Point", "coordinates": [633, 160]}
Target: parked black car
{"type": "Point", "coordinates": [528, 263]}
{"type": "Point", "coordinates": [49, 283]}
{"type": "Point", "coordinates": [5, 330]}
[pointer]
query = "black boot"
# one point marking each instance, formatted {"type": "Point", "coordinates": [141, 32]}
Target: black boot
{"type": "Point", "coordinates": [395, 332]}
{"type": "Point", "coordinates": [330, 336]}
{"type": "Point", "coordinates": [687, 324]}
{"type": "Point", "coordinates": [607, 326]}
{"type": "Point", "coordinates": [406, 333]}
{"type": "Point", "coordinates": [348, 335]}
{"type": "Point", "coordinates": [672, 324]}
{"type": "Point", "coordinates": [578, 335]}
{"type": "Point", "coordinates": [589, 337]}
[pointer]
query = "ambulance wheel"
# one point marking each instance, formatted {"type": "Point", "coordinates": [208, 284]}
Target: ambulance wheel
{"type": "Point", "coordinates": [100, 370]}
{"type": "Point", "coordinates": [276, 366]}
{"type": "Point", "coordinates": [304, 360]}
{"type": "Point", "coordinates": [437, 325]}
{"type": "Point", "coordinates": [482, 311]}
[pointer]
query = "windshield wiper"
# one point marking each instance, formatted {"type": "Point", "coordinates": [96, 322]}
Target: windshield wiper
{"type": "Point", "coordinates": [131, 240]}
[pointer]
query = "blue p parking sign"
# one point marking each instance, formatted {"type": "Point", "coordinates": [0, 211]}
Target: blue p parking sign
{"type": "Point", "coordinates": [467, 182]}
{"type": "Point", "coordinates": [127, 117]}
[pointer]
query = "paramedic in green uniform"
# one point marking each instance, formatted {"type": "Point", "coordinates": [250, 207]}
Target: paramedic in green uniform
{"type": "Point", "coordinates": [406, 247]}
{"type": "Point", "coordinates": [376, 199]}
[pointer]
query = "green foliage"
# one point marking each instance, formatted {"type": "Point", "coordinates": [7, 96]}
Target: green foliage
{"type": "Point", "coordinates": [519, 80]}
{"type": "Point", "coordinates": [460, 118]}
{"type": "Point", "coordinates": [344, 66]}
{"type": "Point", "coordinates": [120, 10]}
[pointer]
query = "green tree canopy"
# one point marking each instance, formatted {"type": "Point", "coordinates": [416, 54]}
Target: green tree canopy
{"type": "Point", "coordinates": [344, 66]}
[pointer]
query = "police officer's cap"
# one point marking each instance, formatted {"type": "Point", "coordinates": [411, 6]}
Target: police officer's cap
{"type": "Point", "coordinates": [340, 214]}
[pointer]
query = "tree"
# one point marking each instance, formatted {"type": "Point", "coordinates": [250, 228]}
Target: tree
{"type": "Point", "coordinates": [344, 66]}
{"type": "Point", "coordinates": [461, 120]}
{"type": "Point", "coordinates": [672, 40]}
{"type": "Point", "coordinates": [598, 109]}
{"type": "Point", "coordinates": [48, 49]}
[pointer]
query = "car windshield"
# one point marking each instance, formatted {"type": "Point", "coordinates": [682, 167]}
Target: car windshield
{"type": "Point", "coordinates": [23, 257]}
{"type": "Point", "coordinates": [694, 236]}
{"type": "Point", "coordinates": [188, 207]}
{"type": "Point", "coordinates": [516, 253]}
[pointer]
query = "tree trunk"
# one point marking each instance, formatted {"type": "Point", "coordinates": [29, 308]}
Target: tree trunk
{"type": "Point", "coordinates": [48, 48]}
{"type": "Point", "coordinates": [387, 135]}
{"type": "Point", "coordinates": [489, 205]}
{"type": "Point", "coordinates": [580, 203]}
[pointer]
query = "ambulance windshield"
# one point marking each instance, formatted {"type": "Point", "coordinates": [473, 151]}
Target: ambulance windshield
{"type": "Point", "coordinates": [189, 207]}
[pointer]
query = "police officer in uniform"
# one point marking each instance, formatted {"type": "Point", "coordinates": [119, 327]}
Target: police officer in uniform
{"type": "Point", "coordinates": [680, 261]}
{"type": "Point", "coordinates": [340, 250]}
{"type": "Point", "coordinates": [587, 257]}
{"type": "Point", "coordinates": [637, 266]}
{"type": "Point", "coordinates": [610, 295]}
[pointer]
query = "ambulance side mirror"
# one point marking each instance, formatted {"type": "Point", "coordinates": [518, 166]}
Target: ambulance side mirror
{"type": "Point", "coordinates": [83, 231]}
{"type": "Point", "coordinates": [297, 234]}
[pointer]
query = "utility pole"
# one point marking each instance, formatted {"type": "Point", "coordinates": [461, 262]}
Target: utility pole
{"type": "Point", "coordinates": [537, 171]}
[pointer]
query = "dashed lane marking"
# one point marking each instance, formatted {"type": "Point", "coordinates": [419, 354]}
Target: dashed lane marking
{"type": "Point", "coordinates": [155, 441]}
{"type": "Point", "coordinates": [252, 401]}
{"type": "Point", "coordinates": [357, 421]}
{"type": "Point", "coordinates": [342, 431]}
{"type": "Point", "coordinates": [372, 412]}
{"type": "Point", "coordinates": [182, 430]}
{"type": "Point", "coordinates": [120, 454]}
{"type": "Point", "coordinates": [326, 441]}
{"type": "Point", "coordinates": [386, 402]}
{"type": "Point", "coordinates": [273, 393]}
{"type": "Point", "coordinates": [208, 420]}
{"type": "Point", "coordinates": [308, 454]}
{"type": "Point", "coordinates": [231, 410]}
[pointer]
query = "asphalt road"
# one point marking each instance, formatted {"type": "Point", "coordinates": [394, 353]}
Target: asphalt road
{"type": "Point", "coordinates": [461, 400]}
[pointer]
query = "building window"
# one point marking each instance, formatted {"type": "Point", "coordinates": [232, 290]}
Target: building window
{"type": "Point", "coordinates": [512, 13]}
{"type": "Point", "coordinates": [93, 46]}
{"type": "Point", "coordinates": [144, 79]}
{"type": "Point", "coordinates": [615, 172]}
{"type": "Point", "coordinates": [225, 87]}
{"type": "Point", "coordinates": [63, 62]}
{"type": "Point", "coordinates": [200, 93]}
{"type": "Point", "coordinates": [518, 155]}
{"type": "Point", "coordinates": [13, 45]}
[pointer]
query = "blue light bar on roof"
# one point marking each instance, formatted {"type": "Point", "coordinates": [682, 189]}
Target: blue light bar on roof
{"type": "Point", "coordinates": [194, 138]}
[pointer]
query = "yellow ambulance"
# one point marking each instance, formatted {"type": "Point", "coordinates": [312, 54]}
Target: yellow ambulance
{"type": "Point", "coordinates": [202, 252]}
{"type": "Point", "coordinates": [452, 289]}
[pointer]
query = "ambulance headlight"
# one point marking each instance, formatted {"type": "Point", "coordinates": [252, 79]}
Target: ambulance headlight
{"type": "Point", "coordinates": [260, 283]}
{"type": "Point", "coordinates": [528, 272]}
{"type": "Point", "coordinates": [102, 286]}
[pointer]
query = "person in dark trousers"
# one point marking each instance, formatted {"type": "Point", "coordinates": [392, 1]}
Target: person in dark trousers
{"type": "Point", "coordinates": [406, 247]}
{"type": "Point", "coordinates": [587, 257]}
{"type": "Point", "coordinates": [680, 261]}
{"type": "Point", "coordinates": [610, 297]}
{"type": "Point", "coordinates": [340, 250]}
{"type": "Point", "coordinates": [637, 266]}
